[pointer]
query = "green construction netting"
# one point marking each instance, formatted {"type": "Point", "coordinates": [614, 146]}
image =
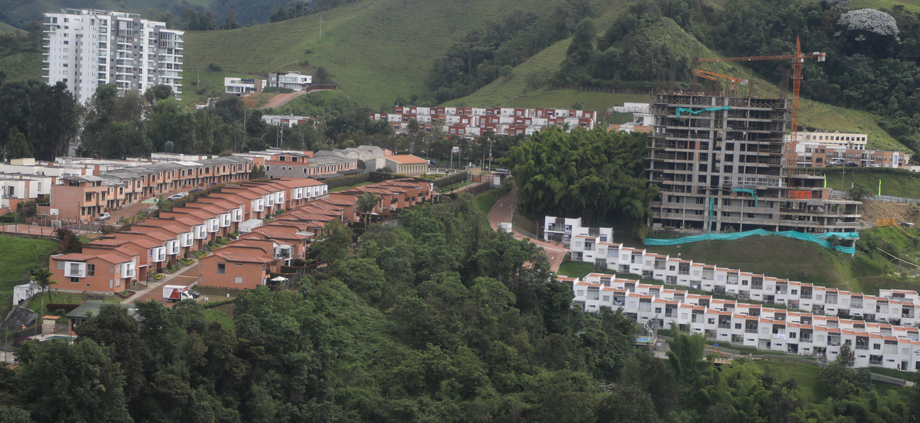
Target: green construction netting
{"type": "Point", "coordinates": [691, 111]}
{"type": "Point", "coordinates": [819, 239]}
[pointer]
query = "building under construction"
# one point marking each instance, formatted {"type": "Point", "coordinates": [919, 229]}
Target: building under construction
{"type": "Point", "coordinates": [719, 162]}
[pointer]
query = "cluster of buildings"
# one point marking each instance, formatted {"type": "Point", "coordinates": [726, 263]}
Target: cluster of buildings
{"type": "Point", "coordinates": [87, 48]}
{"type": "Point", "coordinates": [82, 188]}
{"type": "Point", "coordinates": [471, 122]}
{"type": "Point", "coordinates": [882, 331]}
{"type": "Point", "coordinates": [289, 80]}
{"type": "Point", "coordinates": [273, 224]}
{"type": "Point", "coordinates": [822, 149]}
{"type": "Point", "coordinates": [814, 321]}
{"type": "Point", "coordinates": [335, 163]}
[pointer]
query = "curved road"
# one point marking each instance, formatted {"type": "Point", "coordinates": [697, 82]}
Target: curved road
{"type": "Point", "coordinates": [503, 210]}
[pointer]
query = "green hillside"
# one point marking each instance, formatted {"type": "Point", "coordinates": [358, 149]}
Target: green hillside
{"type": "Point", "coordinates": [803, 261]}
{"type": "Point", "coordinates": [899, 184]}
{"type": "Point", "coordinates": [376, 50]}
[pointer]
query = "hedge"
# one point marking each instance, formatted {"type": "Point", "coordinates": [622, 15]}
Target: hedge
{"type": "Point", "coordinates": [343, 181]}
{"type": "Point", "coordinates": [53, 307]}
{"type": "Point", "coordinates": [216, 303]}
{"type": "Point", "coordinates": [450, 179]}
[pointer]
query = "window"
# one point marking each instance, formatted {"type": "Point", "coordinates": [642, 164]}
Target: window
{"type": "Point", "coordinates": [90, 270]}
{"type": "Point", "coordinates": [238, 279]}
{"type": "Point", "coordinates": [74, 269]}
{"type": "Point", "coordinates": [74, 279]}
{"type": "Point", "coordinates": [737, 325]}
{"type": "Point", "coordinates": [221, 268]}
{"type": "Point", "coordinates": [60, 265]}
{"type": "Point", "coordinates": [876, 346]}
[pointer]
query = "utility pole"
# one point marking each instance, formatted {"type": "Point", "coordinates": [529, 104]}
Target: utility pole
{"type": "Point", "coordinates": [320, 25]}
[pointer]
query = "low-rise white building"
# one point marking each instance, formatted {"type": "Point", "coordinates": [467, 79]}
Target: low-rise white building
{"type": "Point", "coordinates": [290, 80]}
{"type": "Point", "coordinates": [881, 330]}
{"type": "Point", "coordinates": [240, 86]}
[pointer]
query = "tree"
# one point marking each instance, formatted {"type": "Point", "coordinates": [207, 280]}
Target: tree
{"type": "Point", "coordinates": [17, 147]}
{"type": "Point", "coordinates": [78, 382]}
{"type": "Point", "coordinates": [231, 20]}
{"type": "Point", "coordinates": [333, 243]}
{"type": "Point", "coordinates": [365, 205]}
{"type": "Point", "coordinates": [42, 278]}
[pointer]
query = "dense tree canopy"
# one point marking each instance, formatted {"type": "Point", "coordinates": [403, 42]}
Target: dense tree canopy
{"type": "Point", "coordinates": [595, 175]}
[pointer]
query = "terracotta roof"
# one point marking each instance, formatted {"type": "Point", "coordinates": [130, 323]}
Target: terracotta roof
{"type": "Point", "coordinates": [73, 257]}
{"type": "Point", "coordinates": [243, 258]}
{"type": "Point", "coordinates": [407, 159]}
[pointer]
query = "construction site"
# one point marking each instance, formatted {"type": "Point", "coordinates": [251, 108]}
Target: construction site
{"type": "Point", "coordinates": [720, 162]}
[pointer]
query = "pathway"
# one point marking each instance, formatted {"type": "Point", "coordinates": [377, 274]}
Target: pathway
{"type": "Point", "coordinates": [503, 211]}
{"type": "Point", "coordinates": [186, 277]}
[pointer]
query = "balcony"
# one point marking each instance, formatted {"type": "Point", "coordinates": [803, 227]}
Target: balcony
{"type": "Point", "coordinates": [725, 326]}
{"type": "Point", "coordinates": [861, 347]}
{"type": "Point", "coordinates": [750, 330]}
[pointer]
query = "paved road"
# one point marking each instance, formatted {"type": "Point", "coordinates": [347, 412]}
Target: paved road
{"type": "Point", "coordinates": [188, 276]}
{"type": "Point", "coordinates": [503, 211]}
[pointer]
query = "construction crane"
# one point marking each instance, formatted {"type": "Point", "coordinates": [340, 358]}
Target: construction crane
{"type": "Point", "coordinates": [797, 60]}
{"type": "Point", "coordinates": [712, 76]}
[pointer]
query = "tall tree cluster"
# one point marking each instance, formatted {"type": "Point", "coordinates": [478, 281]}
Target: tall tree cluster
{"type": "Point", "coordinates": [596, 175]}
{"type": "Point", "coordinates": [37, 120]}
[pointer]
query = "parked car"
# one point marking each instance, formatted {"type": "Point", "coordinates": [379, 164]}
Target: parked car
{"type": "Point", "coordinates": [103, 216]}
{"type": "Point", "coordinates": [875, 165]}
{"type": "Point", "coordinates": [177, 196]}
{"type": "Point", "coordinates": [432, 163]}
{"type": "Point", "coordinates": [852, 165]}
{"type": "Point", "coordinates": [194, 293]}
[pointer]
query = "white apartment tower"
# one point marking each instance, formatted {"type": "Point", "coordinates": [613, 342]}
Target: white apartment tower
{"type": "Point", "coordinates": [88, 48]}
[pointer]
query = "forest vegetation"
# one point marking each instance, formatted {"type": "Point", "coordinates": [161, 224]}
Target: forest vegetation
{"type": "Point", "coordinates": [438, 320]}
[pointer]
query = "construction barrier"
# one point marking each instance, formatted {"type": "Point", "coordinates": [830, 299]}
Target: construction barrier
{"type": "Point", "coordinates": [799, 195]}
{"type": "Point", "coordinates": [819, 239]}
{"type": "Point", "coordinates": [887, 222]}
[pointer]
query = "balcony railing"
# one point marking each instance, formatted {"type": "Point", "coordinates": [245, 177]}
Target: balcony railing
{"type": "Point", "coordinates": [861, 347]}
{"type": "Point", "coordinates": [725, 326]}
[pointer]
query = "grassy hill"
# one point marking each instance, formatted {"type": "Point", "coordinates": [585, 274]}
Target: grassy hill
{"type": "Point", "coordinates": [807, 262]}
{"type": "Point", "coordinates": [897, 184]}
{"type": "Point", "coordinates": [17, 256]}
{"type": "Point", "coordinates": [375, 50]}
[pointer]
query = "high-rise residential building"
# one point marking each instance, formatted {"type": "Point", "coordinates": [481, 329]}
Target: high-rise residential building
{"type": "Point", "coordinates": [721, 165]}
{"type": "Point", "coordinates": [87, 48]}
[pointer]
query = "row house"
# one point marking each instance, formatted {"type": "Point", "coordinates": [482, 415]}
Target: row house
{"type": "Point", "coordinates": [472, 122]}
{"type": "Point", "coordinates": [874, 344]}
{"type": "Point", "coordinates": [82, 197]}
{"type": "Point", "coordinates": [156, 242]}
{"type": "Point", "coordinates": [396, 194]}
{"type": "Point", "coordinates": [812, 154]}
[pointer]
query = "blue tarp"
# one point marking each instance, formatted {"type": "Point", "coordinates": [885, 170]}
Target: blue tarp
{"type": "Point", "coordinates": [818, 239]}
{"type": "Point", "coordinates": [695, 112]}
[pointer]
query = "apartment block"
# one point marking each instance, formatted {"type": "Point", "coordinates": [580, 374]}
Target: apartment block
{"type": "Point", "coordinates": [721, 165]}
{"type": "Point", "coordinates": [87, 48]}
{"type": "Point", "coordinates": [81, 198]}
{"type": "Point", "coordinates": [472, 122]}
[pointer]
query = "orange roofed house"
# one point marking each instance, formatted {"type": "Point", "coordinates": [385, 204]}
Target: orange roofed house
{"type": "Point", "coordinates": [407, 164]}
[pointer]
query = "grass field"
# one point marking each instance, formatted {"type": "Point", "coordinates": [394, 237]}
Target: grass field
{"type": "Point", "coordinates": [896, 184]}
{"type": "Point", "coordinates": [808, 377]}
{"type": "Point", "coordinates": [221, 314]}
{"type": "Point", "coordinates": [804, 261]}
{"type": "Point", "coordinates": [484, 202]}
{"type": "Point", "coordinates": [17, 256]}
